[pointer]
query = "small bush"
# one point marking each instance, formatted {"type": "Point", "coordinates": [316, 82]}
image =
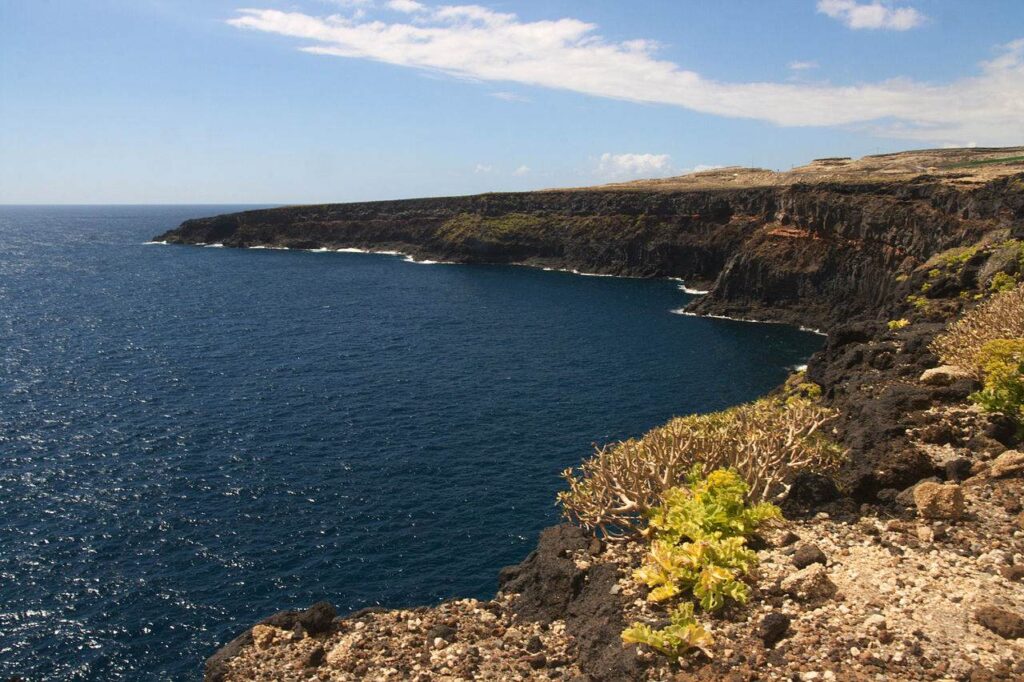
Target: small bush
{"type": "Point", "coordinates": [1002, 363]}
{"type": "Point", "coordinates": [699, 548]}
{"type": "Point", "coordinates": [1002, 282]}
{"type": "Point", "coordinates": [766, 442]}
{"type": "Point", "coordinates": [898, 324]}
{"type": "Point", "coordinates": [1000, 317]}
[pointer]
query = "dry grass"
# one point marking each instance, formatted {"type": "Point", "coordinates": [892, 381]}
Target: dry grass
{"type": "Point", "coordinates": [767, 442]}
{"type": "Point", "coordinates": [1000, 317]}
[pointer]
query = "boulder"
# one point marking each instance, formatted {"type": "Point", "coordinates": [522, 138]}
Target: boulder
{"type": "Point", "coordinates": [1009, 464]}
{"type": "Point", "coordinates": [939, 501]}
{"type": "Point", "coordinates": [773, 627]}
{"type": "Point", "coordinates": [806, 555]}
{"type": "Point", "coordinates": [1006, 624]}
{"type": "Point", "coordinates": [945, 375]}
{"type": "Point", "coordinates": [809, 584]}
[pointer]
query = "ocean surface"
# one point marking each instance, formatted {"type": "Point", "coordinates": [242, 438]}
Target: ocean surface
{"type": "Point", "coordinates": [193, 438]}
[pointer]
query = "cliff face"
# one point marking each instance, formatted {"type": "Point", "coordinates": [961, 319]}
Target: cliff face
{"type": "Point", "coordinates": [812, 254]}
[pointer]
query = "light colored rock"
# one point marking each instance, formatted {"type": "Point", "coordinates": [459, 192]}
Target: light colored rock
{"type": "Point", "coordinates": [875, 621]}
{"type": "Point", "coordinates": [264, 636]}
{"type": "Point", "coordinates": [939, 501]}
{"type": "Point", "coordinates": [809, 584]}
{"type": "Point", "coordinates": [1008, 464]}
{"type": "Point", "coordinates": [944, 375]}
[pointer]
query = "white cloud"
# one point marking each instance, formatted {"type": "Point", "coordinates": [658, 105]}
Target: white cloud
{"type": "Point", "coordinates": [634, 165]}
{"type": "Point", "coordinates": [482, 169]}
{"type": "Point", "coordinates": [522, 170]}
{"type": "Point", "coordinates": [873, 15]}
{"type": "Point", "coordinates": [802, 65]}
{"type": "Point", "coordinates": [407, 6]}
{"type": "Point", "coordinates": [475, 43]}
{"type": "Point", "coordinates": [510, 96]}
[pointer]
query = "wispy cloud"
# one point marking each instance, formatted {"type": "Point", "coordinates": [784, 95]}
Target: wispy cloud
{"type": "Point", "coordinates": [483, 169]}
{"type": "Point", "coordinates": [510, 96]}
{"type": "Point", "coordinates": [473, 42]}
{"type": "Point", "coordinates": [871, 15]}
{"type": "Point", "coordinates": [522, 170]}
{"type": "Point", "coordinates": [802, 65]}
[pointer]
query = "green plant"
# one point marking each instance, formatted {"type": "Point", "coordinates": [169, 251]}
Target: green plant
{"type": "Point", "coordinates": [682, 635]}
{"type": "Point", "coordinates": [766, 442]}
{"type": "Point", "coordinates": [698, 547]}
{"type": "Point", "coordinates": [699, 539]}
{"type": "Point", "coordinates": [1002, 282]}
{"type": "Point", "coordinates": [919, 302]}
{"type": "Point", "coordinates": [898, 324]}
{"type": "Point", "coordinates": [903, 277]}
{"type": "Point", "coordinates": [1002, 367]}
{"type": "Point", "coordinates": [999, 317]}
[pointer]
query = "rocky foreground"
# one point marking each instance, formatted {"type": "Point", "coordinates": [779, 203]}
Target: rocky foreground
{"type": "Point", "coordinates": [908, 566]}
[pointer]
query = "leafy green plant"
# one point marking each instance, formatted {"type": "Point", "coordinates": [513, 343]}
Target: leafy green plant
{"type": "Point", "coordinates": [1002, 363]}
{"type": "Point", "coordinates": [898, 324]}
{"type": "Point", "coordinates": [1002, 282]}
{"type": "Point", "coordinates": [699, 535]}
{"type": "Point", "coordinates": [682, 635]}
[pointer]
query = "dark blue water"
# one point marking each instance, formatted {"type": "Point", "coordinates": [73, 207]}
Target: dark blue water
{"type": "Point", "coordinates": [192, 438]}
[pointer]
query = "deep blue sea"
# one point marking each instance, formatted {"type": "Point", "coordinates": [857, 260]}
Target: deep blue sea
{"type": "Point", "coordinates": [193, 438]}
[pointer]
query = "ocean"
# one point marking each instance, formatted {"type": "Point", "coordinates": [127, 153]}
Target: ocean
{"type": "Point", "coordinates": [192, 438]}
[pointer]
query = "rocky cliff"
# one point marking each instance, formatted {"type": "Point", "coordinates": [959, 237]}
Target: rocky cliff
{"type": "Point", "coordinates": [840, 245]}
{"type": "Point", "coordinates": [805, 247]}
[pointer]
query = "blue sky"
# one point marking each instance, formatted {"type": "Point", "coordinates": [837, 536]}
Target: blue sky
{"type": "Point", "coordinates": [288, 101]}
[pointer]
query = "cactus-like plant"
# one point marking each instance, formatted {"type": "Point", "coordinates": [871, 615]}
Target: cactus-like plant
{"type": "Point", "coordinates": [766, 442]}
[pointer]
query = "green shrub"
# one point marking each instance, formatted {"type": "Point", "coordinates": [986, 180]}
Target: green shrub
{"type": "Point", "coordinates": [898, 324]}
{"type": "Point", "coordinates": [1002, 368]}
{"type": "Point", "coordinates": [698, 549]}
{"type": "Point", "coordinates": [1002, 282]}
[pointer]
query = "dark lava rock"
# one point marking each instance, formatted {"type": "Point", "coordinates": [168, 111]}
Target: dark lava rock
{"type": "Point", "coordinates": [958, 469]}
{"type": "Point", "coordinates": [806, 555]}
{"type": "Point", "coordinates": [1006, 624]}
{"type": "Point", "coordinates": [1003, 429]}
{"type": "Point", "coordinates": [812, 489]}
{"type": "Point", "coordinates": [551, 587]}
{"type": "Point", "coordinates": [314, 658]}
{"type": "Point", "coordinates": [887, 495]}
{"type": "Point", "coordinates": [537, 661]}
{"type": "Point", "coordinates": [445, 632]}
{"type": "Point", "coordinates": [548, 579]}
{"type": "Point", "coordinates": [788, 538]}
{"type": "Point", "coordinates": [317, 618]}
{"type": "Point", "coordinates": [773, 627]}
{"type": "Point", "coordinates": [533, 645]}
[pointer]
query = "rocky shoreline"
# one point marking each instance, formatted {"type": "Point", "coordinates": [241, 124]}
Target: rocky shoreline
{"type": "Point", "coordinates": [907, 566]}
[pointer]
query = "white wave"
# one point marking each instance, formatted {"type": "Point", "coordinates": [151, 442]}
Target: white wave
{"type": "Point", "coordinates": [214, 246]}
{"type": "Point", "coordinates": [684, 311]}
{"type": "Point", "coordinates": [798, 368]}
{"type": "Point", "coordinates": [583, 274]}
{"type": "Point", "coordinates": [156, 242]}
{"type": "Point", "coordinates": [322, 249]}
{"type": "Point", "coordinates": [694, 292]}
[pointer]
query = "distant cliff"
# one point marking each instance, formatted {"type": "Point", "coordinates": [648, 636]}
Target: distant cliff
{"type": "Point", "coordinates": [814, 246]}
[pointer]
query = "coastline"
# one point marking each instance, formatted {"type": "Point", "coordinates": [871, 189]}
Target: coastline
{"type": "Point", "coordinates": [837, 280]}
